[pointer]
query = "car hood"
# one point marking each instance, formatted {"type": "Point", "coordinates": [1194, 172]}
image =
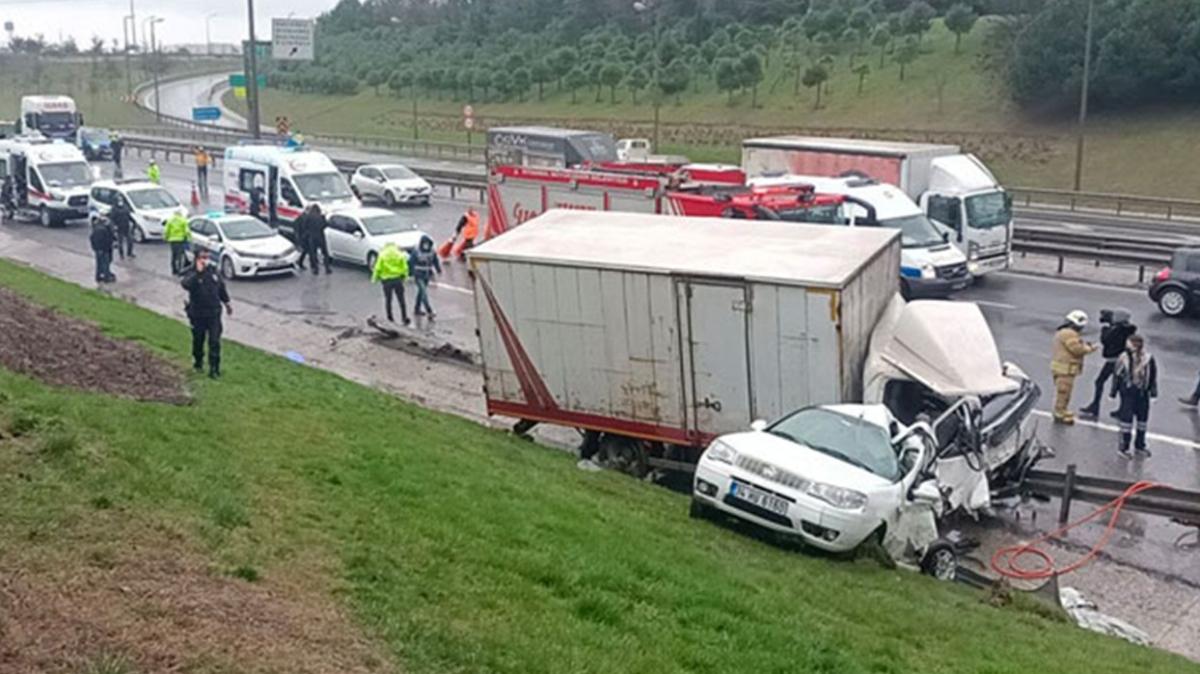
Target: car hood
{"type": "Point", "coordinates": [162, 213]}
{"type": "Point", "coordinates": [268, 245]}
{"type": "Point", "coordinates": [947, 346]}
{"type": "Point", "coordinates": [802, 461]}
{"type": "Point", "coordinates": [408, 183]}
{"type": "Point", "coordinates": [403, 240]}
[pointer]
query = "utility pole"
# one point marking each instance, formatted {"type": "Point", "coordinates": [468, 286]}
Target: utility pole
{"type": "Point", "coordinates": [157, 66]}
{"type": "Point", "coordinates": [252, 79]}
{"type": "Point", "coordinates": [128, 59]}
{"type": "Point", "coordinates": [1083, 95]}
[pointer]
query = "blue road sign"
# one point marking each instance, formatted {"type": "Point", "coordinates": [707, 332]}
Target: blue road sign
{"type": "Point", "coordinates": [207, 114]}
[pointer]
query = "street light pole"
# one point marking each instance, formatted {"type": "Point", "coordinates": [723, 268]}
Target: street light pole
{"type": "Point", "coordinates": [125, 27]}
{"type": "Point", "coordinates": [1083, 95]}
{"type": "Point", "coordinates": [252, 79]}
{"type": "Point", "coordinates": [157, 64]}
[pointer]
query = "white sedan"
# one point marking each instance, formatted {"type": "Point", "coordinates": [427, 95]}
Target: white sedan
{"type": "Point", "coordinates": [833, 476]}
{"type": "Point", "coordinates": [390, 183]}
{"type": "Point", "coordinates": [244, 245]}
{"type": "Point", "coordinates": [357, 235]}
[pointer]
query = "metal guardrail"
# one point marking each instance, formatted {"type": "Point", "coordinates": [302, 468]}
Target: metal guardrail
{"type": "Point", "coordinates": [1181, 505]}
{"type": "Point", "coordinates": [1117, 204]}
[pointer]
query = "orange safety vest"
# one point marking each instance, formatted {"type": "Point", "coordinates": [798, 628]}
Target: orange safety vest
{"type": "Point", "coordinates": [202, 158]}
{"type": "Point", "coordinates": [471, 229]}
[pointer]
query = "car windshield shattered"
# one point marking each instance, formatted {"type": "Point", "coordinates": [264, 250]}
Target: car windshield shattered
{"type": "Point", "coordinates": [379, 225]}
{"type": "Point", "coordinates": [851, 439]}
{"type": "Point", "coordinates": [244, 229]}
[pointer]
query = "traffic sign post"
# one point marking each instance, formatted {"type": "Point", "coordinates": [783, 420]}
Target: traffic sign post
{"type": "Point", "coordinates": [468, 120]}
{"type": "Point", "coordinates": [292, 39]}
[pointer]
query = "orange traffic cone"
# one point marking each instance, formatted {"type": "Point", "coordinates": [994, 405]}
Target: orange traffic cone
{"type": "Point", "coordinates": [195, 197]}
{"type": "Point", "coordinates": [444, 249]}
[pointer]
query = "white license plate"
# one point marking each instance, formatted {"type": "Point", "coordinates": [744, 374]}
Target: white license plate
{"type": "Point", "coordinates": [759, 498]}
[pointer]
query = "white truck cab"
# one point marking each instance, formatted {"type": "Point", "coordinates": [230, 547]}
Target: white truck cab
{"type": "Point", "coordinates": [290, 178]}
{"type": "Point", "coordinates": [52, 116]}
{"type": "Point", "coordinates": [633, 149]}
{"type": "Point", "coordinates": [930, 266]}
{"type": "Point", "coordinates": [51, 178]}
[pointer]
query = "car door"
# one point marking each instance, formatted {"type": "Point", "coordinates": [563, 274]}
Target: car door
{"type": "Point", "coordinates": [203, 234]}
{"type": "Point", "coordinates": [357, 242]}
{"type": "Point", "coordinates": [337, 237]}
{"type": "Point", "coordinates": [1191, 275]}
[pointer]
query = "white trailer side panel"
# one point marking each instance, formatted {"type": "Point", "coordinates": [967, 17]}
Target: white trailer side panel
{"type": "Point", "coordinates": [794, 349]}
{"type": "Point", "coordinates": [861, 304]}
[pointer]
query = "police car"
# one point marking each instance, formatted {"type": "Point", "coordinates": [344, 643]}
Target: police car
{"type": "Point", "coordinates": [243, 246]}
{"type": "Point", "coordinates": [150, 205]}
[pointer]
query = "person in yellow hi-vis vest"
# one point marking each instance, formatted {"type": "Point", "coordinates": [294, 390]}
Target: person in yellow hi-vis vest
{"type": "Point", "coordinates": [177, 234]}
{"type": "Point", "coordinates": [1066, 363]}
{"type": "Point", "coordinates": [153, 173]}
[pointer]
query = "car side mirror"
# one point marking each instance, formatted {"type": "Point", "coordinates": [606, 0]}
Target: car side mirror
{"type": "Point", "coordinates": [945, 237]}
{"type": "Point", "coordinates": [758, 425]}
{"type": "Point", "coordinates": [358, 234]}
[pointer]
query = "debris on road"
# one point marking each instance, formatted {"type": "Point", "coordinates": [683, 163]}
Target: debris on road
{"type": "Point", "coordinates": [1088, 616]}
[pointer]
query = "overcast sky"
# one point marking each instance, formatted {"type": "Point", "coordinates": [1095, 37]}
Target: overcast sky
{"type": "Point", "coordinates": [185, 19]}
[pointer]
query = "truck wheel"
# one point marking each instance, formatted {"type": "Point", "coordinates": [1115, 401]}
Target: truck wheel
{"type": "Point", "coordinates": [1172, 302]}
{"type": "Point", "coordinates": [622, 454]}
{"type": "Point", "coordinates": [46, 217]}
{"type": "Point", "coordinates": [940, 560]}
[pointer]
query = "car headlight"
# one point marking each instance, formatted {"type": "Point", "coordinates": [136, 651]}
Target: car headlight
{"type": "Point", "coordinates": [838, 497]}
{"type": "Point", "coordinates": [973, 267]}
{"type": "Point", "coordinates": [57, 196]}
{"type": "Point", "coordinates": [719, 451]}
{"type": "Point", "coordinates": [928, 271]}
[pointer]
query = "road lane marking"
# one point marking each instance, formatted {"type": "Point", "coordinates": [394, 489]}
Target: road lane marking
{"type": "Point", "coordinates": [457, 289]}
{"type": "Point", "coordinates": [1157, 437]}
{"type": "Point", "coordinates": [985, 303]}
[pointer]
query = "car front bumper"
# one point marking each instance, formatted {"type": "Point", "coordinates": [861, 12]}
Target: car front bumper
{"type": "Point", "coordinates": [250, 266]}
{"type": "Point", "coordinates": [936, 287]}
{"type": "Point", "coordinates": [812, 521]}
{"type": "Point", "coordinates": [989, 264]}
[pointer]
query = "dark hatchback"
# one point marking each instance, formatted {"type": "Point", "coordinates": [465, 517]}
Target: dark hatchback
{"type": "Point", "coordinates": [1176, 288]}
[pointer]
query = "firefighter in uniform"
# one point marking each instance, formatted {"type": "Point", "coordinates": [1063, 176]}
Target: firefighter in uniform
{"type": "Point", "coordinates": [1066, 363]}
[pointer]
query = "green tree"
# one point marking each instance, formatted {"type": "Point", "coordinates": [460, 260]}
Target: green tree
{"type": "Point", "coordinates": [673, 80]}
{"type": "Point", "coordinates": [466, 82]}
{"type": "Point", "coordinates": [377, 78]}
{"type": "Point", "coordinates": [852, 37]}
{"type": "Point", "coordinates": [562, 61]}
{"type": "Point", "coordinates": [862, 70]}
{"type": "Point", "coordinates": [907, 52]}
{"type": "Point", "coordinates": [637, 80]}
{"type": "Point", "coordinates": [881, 37]}
{"type": "Point", "coordinates": [816, 76]}
{"type": "Point", "coordinates": [483, 80]}
{"type": "Point", "coordinates": [960, 19]}
{"type": "Point", "coordinates": [574, 80]}
{"type": "Point", "coordinates": [917, 17]}
{"type": "Point", "coordinates": [611, 75]}
{"type": "Point", "coordinates": [521, 79]}
{"type": "Point", "coordinates": [728, 76]}
{"type": "Point", "coordinates": [594, 71]}
{"type": "Point", "coordinates": [502, 83]}
{"type": "Point", "coordinates": [400, 80]}
{"type": "Point", "coordinates": [541, 74]}
{"type": "Point", "coordinates": [752, 74]}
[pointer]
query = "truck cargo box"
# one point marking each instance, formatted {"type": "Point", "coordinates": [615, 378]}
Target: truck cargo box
{"type": "Point", "coordinates": [905, 165]}
{"type": "Point", "coordinates": [676, 329]}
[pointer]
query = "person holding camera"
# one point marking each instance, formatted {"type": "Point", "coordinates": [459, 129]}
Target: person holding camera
{"type": "Point", "coordinates": [206, 296]}
{"type": "Point", "coordinates": [1115, 331]}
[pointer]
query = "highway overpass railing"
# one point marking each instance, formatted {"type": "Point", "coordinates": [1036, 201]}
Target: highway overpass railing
{"type": "Point", "coordinates": [1104, 202]}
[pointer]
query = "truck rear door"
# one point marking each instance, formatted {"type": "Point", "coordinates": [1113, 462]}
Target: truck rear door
{"type": "Point", "coordinates": [716, 354]}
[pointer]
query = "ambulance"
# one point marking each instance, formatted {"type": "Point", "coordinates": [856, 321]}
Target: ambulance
{"type": "Point", "coordinates": [51, 178]}
{"type": "Point", "coordinates": [291, 179]}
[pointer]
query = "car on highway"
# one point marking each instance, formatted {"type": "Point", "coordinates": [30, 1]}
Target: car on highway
{"type": "Point", "coordinates": [244, 245]}
{"type": "Point", "coordinates": [1176, 287]}
{"type": "Point", "coordinates": [392, 184]}
{"type": "Point", "coordinates": [150, 205]}
{"type": "Point", "coordinates": [95, 143]}
{"type": "Point", "coordinates": [833, 476]}
{"type": "Point", "coordinates": [358, 234]}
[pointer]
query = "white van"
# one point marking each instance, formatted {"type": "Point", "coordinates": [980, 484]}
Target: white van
{"type": "Point", "coordinates": [291, 179]}
{"type": "Point", "coordinates": [930, 266]}
{"type": "Point", "coordinates": [51, 178]}
{"type": "Point", "coordinates": [150, 205]}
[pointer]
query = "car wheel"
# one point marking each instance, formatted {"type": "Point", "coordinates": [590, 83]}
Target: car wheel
{"type": "Point", "coordinates": [371, 258]}
{"type": "Point", "coordinates": [1173, 302]}
{"type": "Point", "coordinates": [390, 199]}
{"type": "Point", "coordinates": [940, 560]}
{"type": "Point", "coordinates": [699, 511]}
{"type": "Point", "coordinates": [227, 269]}
{"type": "Point", "coordinates": [139, 235]}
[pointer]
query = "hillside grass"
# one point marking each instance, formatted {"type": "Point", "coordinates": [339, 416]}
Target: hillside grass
{"type": "Point", "coordinates": [463, 549]}
{"type": "Point", "coordinates": [1148, 152]}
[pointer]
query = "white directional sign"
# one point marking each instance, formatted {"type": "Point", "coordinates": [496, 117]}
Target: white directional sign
{"type": "Point", "coordinates": [292, 39]}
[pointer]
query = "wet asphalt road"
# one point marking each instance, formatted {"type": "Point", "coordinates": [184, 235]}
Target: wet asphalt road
{"type": "Point", "coordinates": [1023, 312]}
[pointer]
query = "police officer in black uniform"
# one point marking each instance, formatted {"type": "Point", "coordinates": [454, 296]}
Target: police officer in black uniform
{"type": "Point", "coordinates": [122, 220]}
{"type": "Point", "coordinates": [206, 296]}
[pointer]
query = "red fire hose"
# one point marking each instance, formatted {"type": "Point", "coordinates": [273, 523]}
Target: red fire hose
{"type": "Point", "coordinates": [1007, 560]}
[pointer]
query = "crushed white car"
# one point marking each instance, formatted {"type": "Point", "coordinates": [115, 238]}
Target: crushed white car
{"type": "Point", "coordinates": [834, 476]}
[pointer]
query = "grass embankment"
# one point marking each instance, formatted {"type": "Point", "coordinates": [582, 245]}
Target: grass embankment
{"type": "Point", "coordinates": [458, 548]}
{"type": "Point", "coordinates": [1150, 152]}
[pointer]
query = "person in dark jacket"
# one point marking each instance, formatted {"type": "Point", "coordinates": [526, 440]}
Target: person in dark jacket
{"type": "Point", "coordinates": [118, 148]}
{"type": "Point", "coordinates": [102, 247]}
{"type": "Point", "coordinates": [8, 205]}
{"type": "Point", "coordinates": [423, 263]}
{"type": "Point", "coordinates": [316, 239]}
{"type": "Point", "coordinates": [206, 296]}
{"type": "Point", "coordinates": [1115, 331]}
{"type": "Point", "coordinates": [122, 221]}
{"type": "Point", "coordinates": [1135, 379]}
{"type": "Point", "coordinates": [257, 201]}
{"type": "Point", "coordinates": [301, 230]}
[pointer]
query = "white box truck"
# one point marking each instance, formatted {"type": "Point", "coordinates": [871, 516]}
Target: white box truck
{"type": "Point", "coordinates": [954, 188]}
{"type": "Point", "coordinates": [654, 334]}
